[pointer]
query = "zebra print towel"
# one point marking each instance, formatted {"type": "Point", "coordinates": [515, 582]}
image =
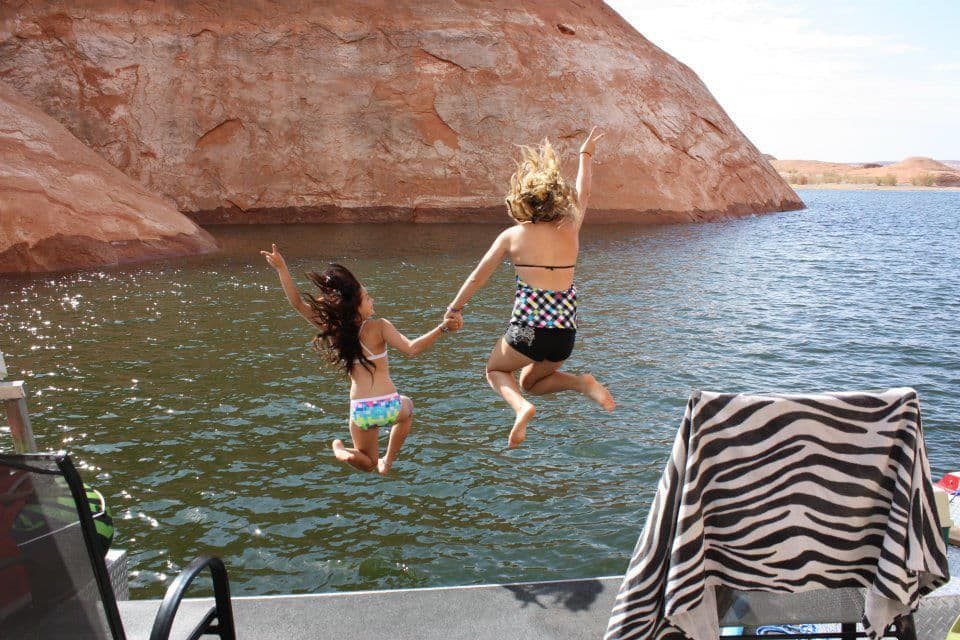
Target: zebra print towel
{"type": "Point", "coordinates": [786, 493]}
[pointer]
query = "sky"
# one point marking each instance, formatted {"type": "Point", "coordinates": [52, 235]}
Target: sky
{"type": "Point", "coordinates": [841, 81]}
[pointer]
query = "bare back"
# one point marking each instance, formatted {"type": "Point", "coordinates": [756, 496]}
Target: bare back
{"type": "Point", "coordinates": [362, 383]}
{"type": "Point", "coordinates": [555, 244]}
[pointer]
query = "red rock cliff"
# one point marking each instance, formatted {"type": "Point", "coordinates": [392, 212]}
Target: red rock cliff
{"type": "Point", "coordinates": [63, 207]}
{"type": "Point", "coordinates": [299, 110]}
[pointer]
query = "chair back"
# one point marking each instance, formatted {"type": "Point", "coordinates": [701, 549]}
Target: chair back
{"type": "Point", "coordinates": [53, 580]}
{"type": "Point", "coordinates": [786, 494]}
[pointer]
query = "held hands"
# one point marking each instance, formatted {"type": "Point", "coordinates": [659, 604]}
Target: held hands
{"type": "Point", "coordinates": [453, 321]}
{"type": "Point", "coordinates": [591, 142]}
{"type": "Point", "coordinates": [274, 259]}
{"type": "Point", "coordinates": [451, 324]}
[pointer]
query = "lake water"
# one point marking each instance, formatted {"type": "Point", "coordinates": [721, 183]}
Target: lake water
{"type": "Point", "coordinates": [187, 393]}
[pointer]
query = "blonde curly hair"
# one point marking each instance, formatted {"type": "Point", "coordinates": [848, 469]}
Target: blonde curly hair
{"type": "Point", "coordinates": [538, 193]}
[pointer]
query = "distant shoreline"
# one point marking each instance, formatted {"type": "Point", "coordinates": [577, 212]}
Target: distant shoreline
{"type": "Point", "coordinates": [914, 173]}
{"type": "Point", "coordinates": [833, 186]}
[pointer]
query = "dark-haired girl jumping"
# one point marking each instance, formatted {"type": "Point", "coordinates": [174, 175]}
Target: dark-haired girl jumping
{"type": "Point", "coordinates": [357, 344]}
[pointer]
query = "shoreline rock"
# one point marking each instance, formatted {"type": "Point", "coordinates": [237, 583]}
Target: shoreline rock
{"type": "Point", "coordinates": [64, 208]}
{"type": "Point", "coordinates": [61, 252]}
{"type": "Point", "coordinates": [478, 215]}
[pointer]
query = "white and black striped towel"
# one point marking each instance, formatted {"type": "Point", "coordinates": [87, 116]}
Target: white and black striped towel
{"type": "Point", "coordinates": [786, 493]}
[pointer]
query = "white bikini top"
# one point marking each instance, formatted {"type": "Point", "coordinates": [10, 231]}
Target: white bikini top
{"type": "Point", "coordinates": [372, 356]}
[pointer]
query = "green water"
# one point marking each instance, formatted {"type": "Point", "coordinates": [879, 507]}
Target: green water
{"type": "Point", "coordinates": [186, 390]}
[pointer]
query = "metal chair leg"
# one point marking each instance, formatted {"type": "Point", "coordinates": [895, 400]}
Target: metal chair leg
{"type": "Point", "coordinates": [906, 629]}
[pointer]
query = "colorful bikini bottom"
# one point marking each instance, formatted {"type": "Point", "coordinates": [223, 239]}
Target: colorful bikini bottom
{"type": "Point", "coordinates": [370, 413]}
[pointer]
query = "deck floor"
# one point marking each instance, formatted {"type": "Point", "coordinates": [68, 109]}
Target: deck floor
{"type": "Point", "coordinates": [540, 611]}
{"type": "Point", "coordinates": [564, 610]}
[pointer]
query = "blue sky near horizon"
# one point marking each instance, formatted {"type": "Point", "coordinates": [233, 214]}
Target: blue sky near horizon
{"type": "Point", "coordinates": [842, 81]}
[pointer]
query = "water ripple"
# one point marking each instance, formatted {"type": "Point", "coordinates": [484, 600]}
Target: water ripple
{"type": "Point", "coordinates": [187, 392]}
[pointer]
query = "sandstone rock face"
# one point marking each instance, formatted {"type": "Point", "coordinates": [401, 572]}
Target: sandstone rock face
{"type": "Point", "coordinates": [63, 207]}
{"type": "Point", "coordinates": [409, 109]}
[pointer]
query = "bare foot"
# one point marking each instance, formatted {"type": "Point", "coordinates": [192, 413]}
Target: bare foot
{"type": "Point", "coordinates": [597, 392]}
{"type": "Point", "coordinates": [383, 467]}
{"type": "Point", "coordinates": [519, 432]}
{"type": "Point", "coordinates": [340, 452]}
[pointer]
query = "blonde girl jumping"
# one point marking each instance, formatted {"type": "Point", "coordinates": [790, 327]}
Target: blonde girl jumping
{"type": "Point", "coordinates": [543, 246]}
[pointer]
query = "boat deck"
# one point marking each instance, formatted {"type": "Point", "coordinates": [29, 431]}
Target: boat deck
{"type": "Point", "coordinates": [535, 611]}
{"type": "Point", "coordinates": [563, 610]}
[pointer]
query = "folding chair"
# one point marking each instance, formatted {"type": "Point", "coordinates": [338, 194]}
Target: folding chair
{"type": "Point", "coordinates": [779, 508]}
{"type": "Point", "coordinates": [53, 580]}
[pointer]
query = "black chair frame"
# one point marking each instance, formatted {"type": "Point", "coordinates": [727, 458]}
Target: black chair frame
{"type": "Point", "coordinates": [218, 620]}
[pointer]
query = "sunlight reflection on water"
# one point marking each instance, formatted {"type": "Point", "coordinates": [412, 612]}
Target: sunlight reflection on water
{"type": "Point", "coordinates": [187, 392]}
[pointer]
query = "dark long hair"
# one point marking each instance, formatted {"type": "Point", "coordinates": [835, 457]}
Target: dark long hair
{"type": "Point", "coordinates": [336, 310]}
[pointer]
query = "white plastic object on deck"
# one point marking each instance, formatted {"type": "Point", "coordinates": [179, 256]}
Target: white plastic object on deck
{"type": "Point", "coordinates": [942, 500]}
{"type": "Point", "coordinates": [14, 399]}
{"type": "Point", "coordinates": [12, 390]}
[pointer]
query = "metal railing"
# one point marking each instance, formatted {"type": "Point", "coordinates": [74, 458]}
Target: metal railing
{"type": "Point", "coordinates": [14, 399]}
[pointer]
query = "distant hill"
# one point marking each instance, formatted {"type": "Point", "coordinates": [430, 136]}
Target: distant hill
{"type": "Point", "coordinates": [812, 166]}
{"type": "Point", "coordinates": [919, 163]}
{"type": "Point", "coordinates": [915, 170]}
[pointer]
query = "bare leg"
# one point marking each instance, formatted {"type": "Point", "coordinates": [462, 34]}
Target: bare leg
{"type": "Point", "coordinates": [397, 435]}
{"type": "Point", "coordinates": [354, 457]}
{"type": "Point", "coordinates": [543, 377]}
{"type": "Point", "coordinates": [363, 456]}
{"type": "Point", "coordinates": [503, 362]}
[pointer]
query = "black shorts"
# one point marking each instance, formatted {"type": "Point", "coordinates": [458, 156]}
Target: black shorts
{"type": "Point", "coordinates": [554, 345]}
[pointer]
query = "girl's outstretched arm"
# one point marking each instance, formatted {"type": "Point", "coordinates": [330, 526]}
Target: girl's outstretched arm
{"type": "Point", "coordinates": [585, 173]}
{"type": "Point", "coordinates": [410, 347]}
{"type": "Point", "coordinates": [275, 259]}
{"type": "Point", "coordinates": [487, 265]}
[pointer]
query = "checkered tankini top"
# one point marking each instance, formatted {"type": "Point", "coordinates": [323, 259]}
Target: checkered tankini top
{"type": "Point", "coordinates": [544, 308]}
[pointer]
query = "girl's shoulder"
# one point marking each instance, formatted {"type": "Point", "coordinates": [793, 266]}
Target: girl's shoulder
{"type": "Point", "coordinates": [509, 233]}
{"type": "Point", "coordinates": [370, 324]}
{"type": "Point", "coordinates": [514, 235]}
{"type": "Point", "coordinates": [373, 327]}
